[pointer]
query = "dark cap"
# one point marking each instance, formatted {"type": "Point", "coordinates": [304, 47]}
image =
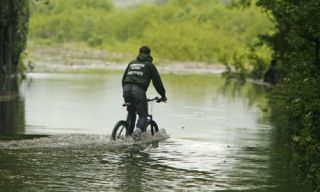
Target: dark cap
{"type": "Point", "coordinates": [145, 49]}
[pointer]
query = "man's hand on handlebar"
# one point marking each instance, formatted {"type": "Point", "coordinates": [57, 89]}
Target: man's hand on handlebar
{"type": "Point", "coordinates": [162, 99]}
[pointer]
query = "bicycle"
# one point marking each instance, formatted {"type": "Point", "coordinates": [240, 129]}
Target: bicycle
{"type": "Point", "coordinates": [121, 129]}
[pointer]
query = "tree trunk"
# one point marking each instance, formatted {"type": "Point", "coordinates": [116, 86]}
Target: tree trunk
{"type": "Point", "coordinates": [8, 41]}
{"type": "Point", "coordinates": [1, 52]}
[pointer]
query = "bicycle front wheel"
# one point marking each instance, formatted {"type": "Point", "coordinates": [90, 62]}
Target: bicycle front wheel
{"type": "Point", "coordinates": [120, 130]}
{"type": "Point", "coordinates": [152, 128]}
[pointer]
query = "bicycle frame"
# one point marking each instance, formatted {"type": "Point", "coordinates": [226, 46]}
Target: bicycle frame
{"type": "Point", "coordinates": [149, 116]}
{"type": "Point", "coordinates": [152, 100]}
{"type": "Point", "coordinates": [124, 124]}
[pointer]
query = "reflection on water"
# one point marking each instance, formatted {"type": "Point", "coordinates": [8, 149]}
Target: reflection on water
{"type": "Point", "coordinates": [218, 141]}
{"type": "Point", "coordinates": [11, 107]}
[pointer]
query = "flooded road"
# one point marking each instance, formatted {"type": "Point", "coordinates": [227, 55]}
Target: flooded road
{"type": "Point", "coordinates": [218, 139]}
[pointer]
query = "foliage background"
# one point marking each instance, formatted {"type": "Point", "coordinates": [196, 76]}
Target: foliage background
{"type": "Point", "coordinates": [202, 30]}
{"type": "Point", "coordinates": [295, 102]}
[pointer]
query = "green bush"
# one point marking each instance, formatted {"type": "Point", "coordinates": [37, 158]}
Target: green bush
{"type": "Point", "coordinates": [295, 102]}
{"type": "Point", "coordinates": [95, 40]}
{"type": "Point", "coordinates": [201, 30]}
{"type": "Point", "coordinates": [295, 107]}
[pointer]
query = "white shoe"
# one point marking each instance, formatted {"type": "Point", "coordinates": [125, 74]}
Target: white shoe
{"type": "Point", "coordinates": [137, 133]}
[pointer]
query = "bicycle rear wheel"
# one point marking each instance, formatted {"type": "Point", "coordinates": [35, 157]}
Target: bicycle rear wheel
{"type": "Point", "coordinates": [152, 128]}
{"type": "Point", "coordinates": [120, 130]}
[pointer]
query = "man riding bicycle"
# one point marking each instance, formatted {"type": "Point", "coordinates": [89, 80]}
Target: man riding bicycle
{"type": "Point", "coordinates": [135, 82]}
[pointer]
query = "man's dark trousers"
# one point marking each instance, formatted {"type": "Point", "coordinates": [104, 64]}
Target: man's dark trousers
{"type": "Point", "coordinates": [137, 98]}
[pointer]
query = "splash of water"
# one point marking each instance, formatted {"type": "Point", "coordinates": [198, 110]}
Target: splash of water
{"type": "Point", "coordinates": [83, 141]}
{"type": "Point", "coordinates": [146, 140]}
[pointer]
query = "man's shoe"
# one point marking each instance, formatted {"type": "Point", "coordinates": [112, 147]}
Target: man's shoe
{"type": "Point", "coordinates": [137, 133]}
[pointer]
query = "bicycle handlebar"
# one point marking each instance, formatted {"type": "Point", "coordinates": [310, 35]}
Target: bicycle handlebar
{"type": "Point", "coordinates": [157, 99]}
{"type": "Point", "coordinates": [153, 99]}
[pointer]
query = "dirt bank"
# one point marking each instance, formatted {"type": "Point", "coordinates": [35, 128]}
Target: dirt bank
{"type": "Point", "coordinates": [67, 58]}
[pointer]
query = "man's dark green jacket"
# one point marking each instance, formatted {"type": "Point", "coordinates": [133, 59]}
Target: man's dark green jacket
{"type": "Point", "coordinates": [141, 71]}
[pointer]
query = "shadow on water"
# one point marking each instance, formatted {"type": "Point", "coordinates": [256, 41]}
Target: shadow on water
{"type": "Point", "coordinates": [132, 170]}
{"type": "Point", "coordinates": [140, 170]}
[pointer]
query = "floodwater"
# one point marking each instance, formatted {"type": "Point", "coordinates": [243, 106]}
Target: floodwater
{"type": "Point", "coordinates": [55, 136]}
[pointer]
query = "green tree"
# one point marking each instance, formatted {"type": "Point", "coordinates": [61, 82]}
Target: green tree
{"type": "Point", "coordinates": [14, 17]}
{"type": "Point", "coordinates": [295, 102]}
